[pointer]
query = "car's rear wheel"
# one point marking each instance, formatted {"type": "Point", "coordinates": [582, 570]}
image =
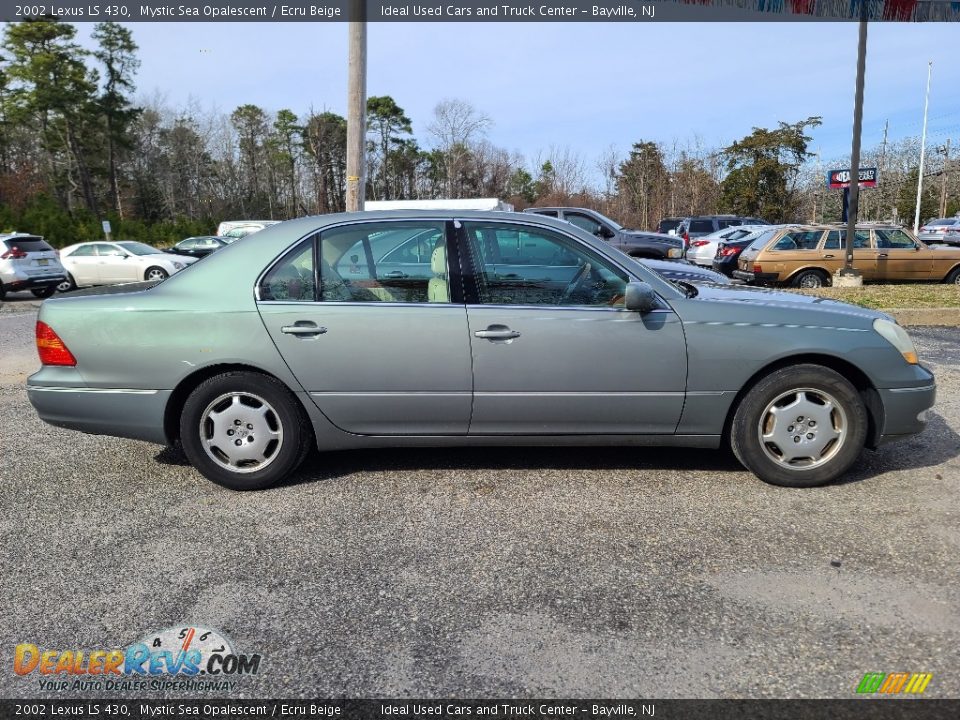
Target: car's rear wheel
{"type": "Point", "coordinates": [811, 279]}
{"type": "Point", "coordinates": [67, 285]}
{"type": "Point", "coordinates": [44, 292]}
{"type": "Point", "coordinates": [800, 426]}
{"type": "Point", "coordinates": [155, 274]}
{"type": "Point", "coordinates": [244, 430]}
{"type": "Point", "coordinates": [954, 277]}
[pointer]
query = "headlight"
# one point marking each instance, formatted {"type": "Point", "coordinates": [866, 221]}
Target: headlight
{"type": "Point", "coordinates": [179, 265]}
{"type": "Point", "coordinates": [897, 336]}
{"type": "Point", "coordinates": [674, 253]}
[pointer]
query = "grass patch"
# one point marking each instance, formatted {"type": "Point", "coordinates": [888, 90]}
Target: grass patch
{"type": "Point", "coordinates": [893, 297]}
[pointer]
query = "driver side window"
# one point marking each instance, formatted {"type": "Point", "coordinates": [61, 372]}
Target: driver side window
{"type": "Point", "coordinates": [521, 265]}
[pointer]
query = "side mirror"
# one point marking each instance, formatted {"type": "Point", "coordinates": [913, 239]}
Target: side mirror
{"type": "Point", "coordinates": [639, 297]}
{"type": "Point", "coordinates": [605, 233]}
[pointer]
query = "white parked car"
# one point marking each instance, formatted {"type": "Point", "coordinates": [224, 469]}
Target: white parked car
{"type": "Point", "coordinates": [703, 249]}
{"type": "Point", "coordinates": [111, 263]}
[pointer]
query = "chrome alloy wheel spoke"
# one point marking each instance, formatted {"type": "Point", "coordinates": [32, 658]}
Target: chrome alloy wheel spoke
{"type": "Point", "coordinates": [802, 428]}
{"type": "Point", "coordinates": [241, 432]}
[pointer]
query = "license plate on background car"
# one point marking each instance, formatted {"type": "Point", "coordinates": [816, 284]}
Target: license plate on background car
{"type": "Point", "coordinates": [43, 261]}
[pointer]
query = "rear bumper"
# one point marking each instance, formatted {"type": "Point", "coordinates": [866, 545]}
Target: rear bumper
{"type": "Point", "coordinates": [128, 413]}
{"type": "Point", "coordinates": [753, 278]}
{"type": "Point", "coordinates": [31, 283]}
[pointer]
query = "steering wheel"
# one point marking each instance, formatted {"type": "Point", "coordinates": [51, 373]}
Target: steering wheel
{"type": "Point", "coordinates": [575, 282]}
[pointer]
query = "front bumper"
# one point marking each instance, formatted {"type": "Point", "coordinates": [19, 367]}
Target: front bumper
{"type": "Point", "coordinates": [128, 413]}
{"type": "Point", "coordinates": [905, 410]}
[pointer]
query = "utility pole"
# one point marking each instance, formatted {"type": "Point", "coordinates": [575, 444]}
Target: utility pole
{"type": "Point", "coordinates": [816, 192]}
{"type": "Point", "coordinates": [943, 178]}
{"type": "Point", "coordinates": [848, 274]}
{"type": "Point", "coordinates": [883, 157]}
{"type": "Point", "coordinates": [357, 107]}
{"type": "Point", "coordinates": [923, 147]}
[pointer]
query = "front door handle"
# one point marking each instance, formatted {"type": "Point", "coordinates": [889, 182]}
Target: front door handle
{"type": "Point", "coordinates": [303, 328]}
{"type": "Point", "coordinates": [395, 275]}
{"type": "Point", "coordinates": [497, 332]}
{"type": "Point", "coordinates": [882, 255]}
{"type": "Point", "coordinates": [827, 256]}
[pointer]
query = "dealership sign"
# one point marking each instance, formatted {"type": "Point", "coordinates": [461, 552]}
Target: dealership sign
{"type": "Point", "coordinates": [841, 178]}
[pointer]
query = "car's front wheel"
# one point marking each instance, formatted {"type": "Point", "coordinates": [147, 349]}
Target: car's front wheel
{"type": "Point", "coordinates": [800, 426]}
{"type": "Point", "coordinates": [954, 277]}
{"type": "Point", "coordinates": [155, 274]}
{"type": "Point", "coordinates": [244, 430]}
{"type": "Point", "coordinates": [44, 292]}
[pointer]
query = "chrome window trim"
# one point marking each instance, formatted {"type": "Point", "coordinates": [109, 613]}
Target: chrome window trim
{"type": "Point", "coordinates": [631, 275]}
{"type": "Point", "coordinates": [324, 228]}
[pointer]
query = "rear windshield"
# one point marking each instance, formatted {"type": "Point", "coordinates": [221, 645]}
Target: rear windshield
{"type": "Point", "coordinates": [701, 226]}
{"type": "Point", "coordinates": [27, 243]}
{"type": "Point", "coordinates": [943, 221]}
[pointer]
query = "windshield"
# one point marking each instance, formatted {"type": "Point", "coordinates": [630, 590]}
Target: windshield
{"type": "Point", "coordinates": [604, 218]}
{"type": "Point", "coordinates": [138, 248]}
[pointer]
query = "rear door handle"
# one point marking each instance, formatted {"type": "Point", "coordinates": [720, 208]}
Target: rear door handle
{"type": "Point", "coordinates": [303, 328]}
{"type": "Point", "coordinates": [883, 255]}
{"type": "Point", "coordinates": [497, 332]}
{"type": "Point", "coordinates": [828, 256]}
{"type": "Point", "coordinates": [395, 275]}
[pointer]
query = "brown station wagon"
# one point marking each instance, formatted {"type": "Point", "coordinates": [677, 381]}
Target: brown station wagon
{"type": "Point", "coordinates": [807, 256]}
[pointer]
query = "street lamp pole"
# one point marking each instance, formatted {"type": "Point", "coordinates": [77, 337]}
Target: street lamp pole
{"type": "Point", "coordinates": [923, 148]}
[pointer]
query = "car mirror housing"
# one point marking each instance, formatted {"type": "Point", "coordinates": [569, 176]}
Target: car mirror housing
{"type": "Point", "coordinates": [639, 296]}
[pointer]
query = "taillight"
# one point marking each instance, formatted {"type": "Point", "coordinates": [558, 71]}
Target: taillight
{"type": "Point", "coordinates": [757, 268]}
{"type": "Point", "coordinates": [50, 347]}
{"type": "Point", "coordinates": [699, 243]}
{"type": "Point", "coordinates": [726, 251]}
{"type": "Point", "coordinates": [13, 253]}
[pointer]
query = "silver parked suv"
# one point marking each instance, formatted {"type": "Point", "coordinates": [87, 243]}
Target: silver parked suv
{"type": "Point", "coordinates": [27, 262]}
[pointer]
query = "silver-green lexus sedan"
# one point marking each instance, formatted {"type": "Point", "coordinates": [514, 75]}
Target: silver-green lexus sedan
{"type": "Point", "coordinates": [455, 328]}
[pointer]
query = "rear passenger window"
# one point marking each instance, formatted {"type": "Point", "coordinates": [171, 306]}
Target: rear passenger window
{"type": "Point", "coordinates": [398, 262]}
{"type": "Point", "coordinates": [834, 239]}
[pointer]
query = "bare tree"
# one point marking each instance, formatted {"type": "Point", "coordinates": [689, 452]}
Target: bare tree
{"type": "Point", "coordinates": [455, 125]}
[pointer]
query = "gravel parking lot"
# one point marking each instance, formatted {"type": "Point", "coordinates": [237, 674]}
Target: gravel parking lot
{"type": "Point", "coordinates": [489, 572]}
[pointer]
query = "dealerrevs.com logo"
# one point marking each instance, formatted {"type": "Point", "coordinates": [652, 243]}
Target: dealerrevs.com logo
{"type": "Point", "coordinates": [181, 658]}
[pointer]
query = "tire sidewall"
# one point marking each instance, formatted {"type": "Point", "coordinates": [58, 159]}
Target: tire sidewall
{"type": "Point", "coordinates": [798, 281]}
{"type": "Point", "coordinates": [296, 436]}
{"type": "Point", "coordinates": [743, 433]}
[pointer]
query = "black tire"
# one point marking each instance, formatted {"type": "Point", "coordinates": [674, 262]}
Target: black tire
{"type": "Point", "coordinates": [806, 387]}
{"type": "Point", "coordinates": [3, 293]}
{"type": "Point", "coordinates": [953, 277]}
{"type": "Point", "coordinates": [811, 279]}
{"type": "Point", "coordinates": [44, 292]}
{"type": "Point", "coordinates": [155, 273]}
{"type": "Point", "coordinates": [68, 284]}
{"type": "Point", "coordinates": [243, 420]}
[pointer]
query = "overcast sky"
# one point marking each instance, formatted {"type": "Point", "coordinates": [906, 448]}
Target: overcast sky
{"type": "Point", "coordinates": [587, 85]}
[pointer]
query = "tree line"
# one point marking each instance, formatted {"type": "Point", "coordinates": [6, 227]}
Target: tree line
{"type": "Point", "coordinates": [78, 145]}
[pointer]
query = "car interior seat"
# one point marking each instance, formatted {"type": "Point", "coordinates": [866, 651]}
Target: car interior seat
{"type": "Point", "coordinates": [438, 289]}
